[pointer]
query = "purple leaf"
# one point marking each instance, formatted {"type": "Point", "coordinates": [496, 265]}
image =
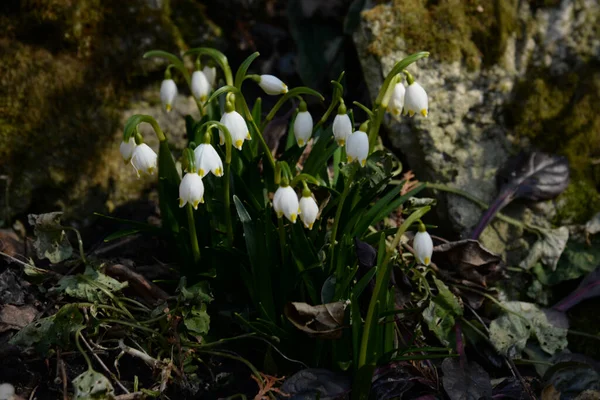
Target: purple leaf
{"type": "Point", "coordinates": [533, 176]}
{"type": "Point", "coordinates": [588, 288]}
{"type": "Point", "coordinates": [315, 383]}
{"type": "Point", "coordinates": [401, 380]}
{"type": "Point", "coordinates": [465, 383]}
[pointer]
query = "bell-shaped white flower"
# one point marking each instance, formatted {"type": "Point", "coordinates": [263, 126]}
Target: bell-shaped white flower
{"type": "Point", "coordinates": [237, 127]}
{"type": "Point", "coordinates": [303, 125]}
{"type": "Point", "coordinates": [211, 75]}
{"type": "Point", "coordinates": [191, 190]}
{"type": "Point", "coordinates": [144, 159]}
{"type": "Point", "coordinates": [127, 148]}
{"type": "Point", "coordinates": [415, 100]}
{"type": "Point", "coordinates": [207, 160]}
{"type": "Point", "coordinates": [342, 126]}
{"type": "Point", "coordinates": [285, 202]}
{"type": "Point", "coordinates": [7, 391]}
{"type": "Point", "coordinates": [396, 102]}
{"type": "Point", "coordinates": [168, 92]}
{"type": "Point", "coordinates": [272, 85]}
{"type": "Point", "coordinates": [357, 147]}
{"type": "Point", "coordinates": [423, 246]}
{"type": "Point", "coordinates": [309, 210]}
{"type": "Point", "coordinates": [200, 86]}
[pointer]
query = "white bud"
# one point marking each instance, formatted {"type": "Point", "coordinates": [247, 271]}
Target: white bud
{"type": "Point", "coordinates": [285, 202]}
{"type": "Point", "coordinates": [200, 86]}
{"type": "Point", "coordinates": [423, 246]}
{"type": "Point", "coordinates": [272, 85]}
{"type": "Point", "coordinates": [303, 126]}
{"type": "Point", "coordinates": [415, 100]}
{"type": "Point", "coordinates": [357, 147]}
{"type": "Point", "coordinates": [342, 128]}
{"type": "Point", "coordinates": [309, 210]}
{"type": "Point", "coordinates": [397, 100]}
{"type": "Point", "coordinates": [144, 159]}
{"type": "Point", "coordinates": [168, 92]}
{"type": "Point", "coordinates": [207, 160]}
{"type": "Point", "coordinates": [237, 127]}
{"type": "Point", "coordinates": [127, 148]}
{"type": "Point", "coordinates": [211, 75]}
{"type": "Point", "coordinates": [191, 190]}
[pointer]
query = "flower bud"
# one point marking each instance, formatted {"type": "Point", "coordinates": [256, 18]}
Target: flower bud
{"type": "Point", "coordinates": [211, 75]}
{"type": "Point", "coordinates": [207, 160]}
{"type": "Point", "coordinates": [237, 127]}
{"type": "Point", "coordinates": [357, 147]}
{"type": "Point", "coordinates": [127, 148]}
{"type": "Point", "coordinates": [144, 159]}
{"type": "Point", "coordinates": [309, 210]}
{"type": "Point", "coordinates": [415, 100]}
{"type": "Point", "coordinates": [191, 190]}
{"type": "Point", "coordinates": [272, 85]}
{"type": "Point", "coordinates": [168, 92]}
{"type": "Point", "coordinates": [285, 202]}
{"type": "Point", "coordinates": [423, 246]}
{"type": "Point", "coordinates": [397, 100]}
{"type": "Point", "coordinates": [303, 125]}
{"type": "Point", "coordinates": [342, 126]}
{"type": "Point", "coordinates": [200, 86]}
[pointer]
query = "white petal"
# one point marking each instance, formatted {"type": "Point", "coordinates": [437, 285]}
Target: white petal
{"type": "Point", "coordinates": [397, 100]}
{"type": "Point", "coordinates": [144, 159]}
{"type": "Point", "coordinates": [7, 391]}
{"type": "Point", "coordinates": [237, 128]}
{"type": "Point", "coordinates": [207, 160]}
{"type": "Point", "coordinates": [308, 211]}
{"type": "Point", "coordinates": [303, 126]}
{"type": "Point", "coordinates": [357, 147]}
{"type": "Point", "coordinates": [415, 100]}
{"type": "Point", "coordinates": [287, 203]}
{"type": "Point", "coordinates": [127, 148]}
{"type": "Point", "coordinates": [191, 190]}
{"type": "Point", "coordinates": [276, 197]}
{"type": "Point", "coordinates": [423, 246]}
{"type": "Point", "coordinates": [168, 92]}
{"type": "Point", "coordinates": [211, 75]}
{"type": "Point", "coordinates": [200, 86]}
{"type": "Point", "coordinates": [342, 128]}
{"type": "Point", "coordinates": [272, 85]}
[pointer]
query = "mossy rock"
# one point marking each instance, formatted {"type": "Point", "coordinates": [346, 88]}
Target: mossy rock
{"type": "Point", "coordinates": [68, 70]}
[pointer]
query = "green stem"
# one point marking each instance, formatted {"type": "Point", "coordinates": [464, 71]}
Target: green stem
{"type": "Point", "coordinates": [83, 353]}
{"type": "Point", "coordinates": [483, 205]}
{"type": "Point", "coordinates": [192, 231]}
{"type": "Point", "coordinates": [282, 241]}
{"type": "Point", "coordinates": [263, 144]}
{"type": "Point", "coordinates": [227, 200]}
{"type": "Point", "coordinates": [338, 214]}
{"type": "Point", "coordinates": [237, 358]}
{"type": "Point", "coordinates": [381, 274]}
{"type": "Point", "coordinates": [79, 242]}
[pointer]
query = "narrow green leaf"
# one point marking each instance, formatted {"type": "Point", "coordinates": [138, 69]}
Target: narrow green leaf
{"type": "Point", "coordinates": [120, 234]}
{"type": "Point", "coordinates": [243, 69]}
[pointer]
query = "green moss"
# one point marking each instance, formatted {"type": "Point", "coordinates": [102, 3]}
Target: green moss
{"type": "Point", "coordinates": [558, 114]}
{"type": "Point", "coordinates": [475, 32]}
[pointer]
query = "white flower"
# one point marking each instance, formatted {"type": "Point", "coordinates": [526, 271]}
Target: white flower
{"type": "Point", "coordinates": [200, 86]}
{"type": "Point", "coordinates": [308, 211]}
{"type": "Point", "coordinates": [127, 148]}
{"type": "Point", "coordinates": [303, 126]}
{"type": "Point", "coordinates": [144, 159]}
{"type": "Point", "coordinates": [211, 75]}
{"type": "Point", "coordinates": [237, 127]}
{"type": "Point", "coordinates": [357, 147]}
{"type": "Point", "coordinates": [423, 246]}
{"type": "Point", "coordinates": [168, 92]}
{"type": "Point", "coordinates": [397, 100]}
{"type": "Point", "coordinates": [415, 100]}
{"type": "Point", "coordinates": [7, 391]}
{"type": "Point", "coordinates": [191, 190]}
{"type": "Point", "coordinates": [285, 202]}
{"type": "Point", "coordinates": [342, 128]}
{"type": "Point", "coordinates": [272, 85]}
{"type": "Point", "coordinates": [207, 160]}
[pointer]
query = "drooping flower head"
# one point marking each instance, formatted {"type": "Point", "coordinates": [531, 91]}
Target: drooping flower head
{"type": "Point", "coordinates": [272, 85]}
{"type": "Point", "coordinates": [357, 147]}
{"type": "Point", "coordinates": [285, 202]}
{"type": "Point", "coordinates": [144, 159]}
{"type": "Point", "coordinates": [309, 210]}
{"type": "Point", "coordinates": [303, 125]}
{"type": "Point", "coordinates": [207, 160]}
{"type": "Point", "coordinates": [342, 126]}
{"type": "Point", "coordinates": [423, 245]}
{"type": "Point", "coordinates": [396, 102]}
{"type": "Point", "coordinates": [200, 86]}
{"type": "Point", "coordinates": [211, 75]}
{"type": "Point", "coordinates": [191, 190]}
{"type": "Point", "coordinates": [415, 100]}
{"type": "Point", "coordinates": [127, 148]}
{"type": "Point", "coordinates": [236, 125]}
{"type": "Point", "coordinates": [168, 92]}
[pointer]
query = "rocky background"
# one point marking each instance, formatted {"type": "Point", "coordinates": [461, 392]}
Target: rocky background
{"type": "Point", "coordinates": [502, 76]}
